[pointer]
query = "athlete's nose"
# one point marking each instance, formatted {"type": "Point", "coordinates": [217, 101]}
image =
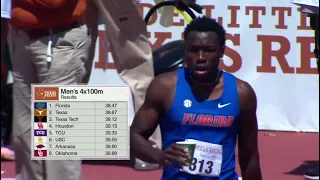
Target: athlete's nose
{"type": "Point", "coordinates": [201, 61]}
{"type": "Point", "coordinates": [200, 58]}
{"type": "Point", "coordinates": [200, 54]}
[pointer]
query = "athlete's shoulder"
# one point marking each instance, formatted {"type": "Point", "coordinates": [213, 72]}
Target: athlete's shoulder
{"type": "Point", "coordinates": [243, 85]}
{"type": "Point", "coordinates": [246, 93]}
{"type": "Point", "coordinates": [160, 87]}
{"type": "Point", "coordinates": [165, 80]}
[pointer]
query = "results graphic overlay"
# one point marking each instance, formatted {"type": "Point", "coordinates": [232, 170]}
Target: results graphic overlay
{"type": "Point", "coordinates": [80, 122]}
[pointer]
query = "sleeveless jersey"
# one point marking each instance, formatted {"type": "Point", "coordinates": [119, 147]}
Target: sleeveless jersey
{"type": "Point", "coordinates": [210, 122]}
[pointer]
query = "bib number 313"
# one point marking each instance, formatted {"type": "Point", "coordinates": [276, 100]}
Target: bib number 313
{"type": "Point", "coordinates": [201, 166]}
{"type": "Point", "coordinates": [207, 160]}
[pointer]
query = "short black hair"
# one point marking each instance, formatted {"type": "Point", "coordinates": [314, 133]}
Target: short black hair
{"type": "Point", "coordinates": [206, 24]}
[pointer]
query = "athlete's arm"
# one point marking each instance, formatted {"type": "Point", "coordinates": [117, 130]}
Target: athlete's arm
{"type": "Point", "coordinates": [145, 122]}
{"type": "Point", "coordinates": [248, 133]}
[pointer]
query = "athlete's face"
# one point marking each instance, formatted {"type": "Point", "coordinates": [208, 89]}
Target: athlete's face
{"type": "Point", "coordinates": [203, 53]}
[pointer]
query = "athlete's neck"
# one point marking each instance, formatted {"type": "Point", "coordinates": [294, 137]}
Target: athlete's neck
{"type": "Point", "coordinates": [203, 90]}
{"type": "Point", "coordinates": [211, 81]}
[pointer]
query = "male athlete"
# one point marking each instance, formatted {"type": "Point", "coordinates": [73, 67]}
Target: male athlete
{"type": "Point", "coordinates": [204, 104]}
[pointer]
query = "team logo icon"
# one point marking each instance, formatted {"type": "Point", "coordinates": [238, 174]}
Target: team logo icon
{"type": "Point", "coordinates": [40, 105]}
{"type": "Point", "coordinates": [40, 125]}
{"type": "Point", "coordinates": [40, 140]}
{"type": "Point", "coordinates": [40, 132]}
{"type": "Point", "coordinates": [40, 153]}
{"type": "Point", "coordinates": [46, 93]}
{"type": "Point", "coordinates": [187, 103]}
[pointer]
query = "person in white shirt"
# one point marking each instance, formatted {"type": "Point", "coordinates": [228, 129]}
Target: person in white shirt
{"type": "Point", "coordinates": [5, 16]}
{"type": "Point", "coordinates": [131, 50]}
{"type": "Point", "coordinates": [311, 8]}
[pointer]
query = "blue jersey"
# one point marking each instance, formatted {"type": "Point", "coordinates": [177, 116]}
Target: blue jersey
{"type": "Point", "coordinates": [211, 121]}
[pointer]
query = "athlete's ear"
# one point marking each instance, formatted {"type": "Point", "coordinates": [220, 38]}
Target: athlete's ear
{"type": "Point", "coordinates": [222, 51]}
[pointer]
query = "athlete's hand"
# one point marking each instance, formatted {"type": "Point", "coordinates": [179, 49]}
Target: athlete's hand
{"type": "Point", "coordinates": [180, 4]}
{"type": "Point", "coordinates": [175, 155]}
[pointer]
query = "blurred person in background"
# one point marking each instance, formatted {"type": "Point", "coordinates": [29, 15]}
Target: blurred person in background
{"type": "Point", "coordinates": [126, 33]}
{"type": "Point", "coordinates": [311, 8]}
{"type": "Point", "coordinates": [49, 44]}
{"type": "Point", "coordinates": [6, 153]}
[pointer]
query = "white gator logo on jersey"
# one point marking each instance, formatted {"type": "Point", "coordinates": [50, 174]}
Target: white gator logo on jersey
{"type": "Point", "coordinates": [187, 103]}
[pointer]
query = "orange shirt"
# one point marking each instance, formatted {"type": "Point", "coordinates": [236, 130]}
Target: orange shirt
{"type": "Point", "coordinates": [35, 14]}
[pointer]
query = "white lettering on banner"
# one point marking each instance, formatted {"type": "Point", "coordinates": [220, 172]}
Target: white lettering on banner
{"type": "Point", "coordinates": [207, 159]}
{"type": "Point", "coordinates": [269, 43]}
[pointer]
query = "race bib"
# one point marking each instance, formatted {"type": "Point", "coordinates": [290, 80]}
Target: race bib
{"type": "Point", "coordinates": [207, 159]}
